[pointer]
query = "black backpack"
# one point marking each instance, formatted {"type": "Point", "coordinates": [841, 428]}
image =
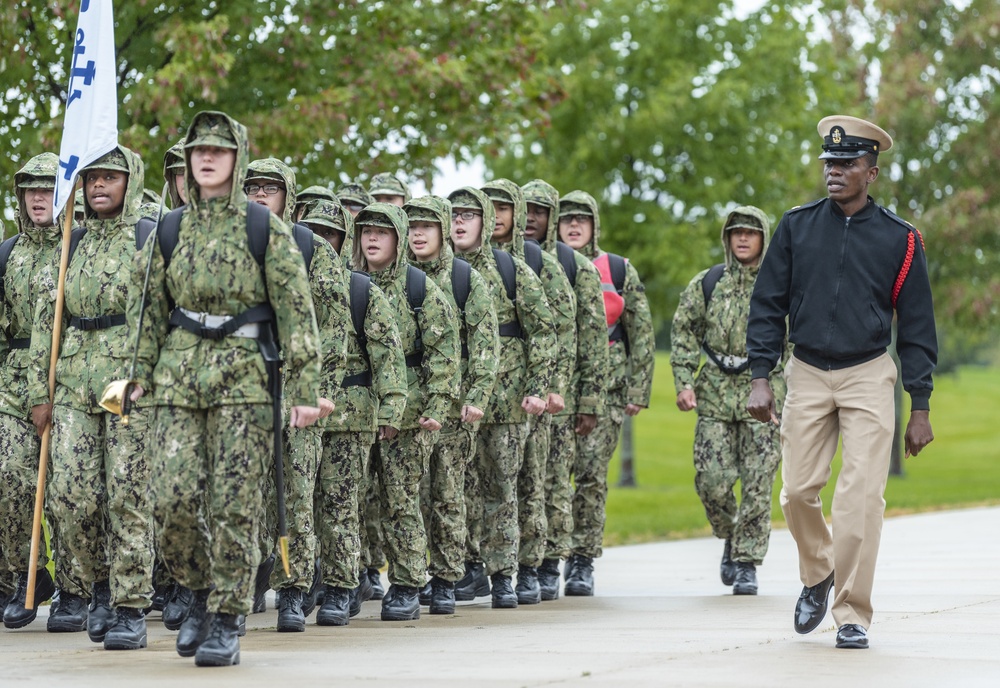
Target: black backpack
{"type": "Point", "coordinates": [461, 285]}
{"type": "Point", "coordinates": [567, 259]}
{"type": "Point", "coordinates": [709, 281]}
{"type": "Point", "coordinates": [5, 249]}
{"type": "Point", "coordinates": [508, 273]}
{"type": "Point", "coordinates": [616, 264]}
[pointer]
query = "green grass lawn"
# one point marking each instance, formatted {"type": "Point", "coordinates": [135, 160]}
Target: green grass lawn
{"type": "Point", "coordinates": [960, 468]}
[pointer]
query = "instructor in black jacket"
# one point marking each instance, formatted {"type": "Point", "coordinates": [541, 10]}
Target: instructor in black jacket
{"type": "Point", "coordinates": [837, 268]}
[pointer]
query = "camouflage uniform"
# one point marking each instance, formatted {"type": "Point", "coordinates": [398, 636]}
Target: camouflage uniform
{"type": "Point", "coordinates": [588, 376]}
{"type": "Point", "coordinates": [559, 295]}
{"type": "Point", "coordinates": [629, 380]}
{"type": "Point", "coordinates": [99, 474]}
{"type": "Point", "coordinates": [307, 197]}
{"type": "Point", "coordinates": [20, 445]}
{"type": "Point", "coordinates": [525, 369]}
{"type": "Point", "coordinates": [432, 390]}
{"type": "Point", "coordinates": [442, 493]}
{"type": "Point", "coordinates": [214, 424]}
{"type": "Point", "coordinates": [729, 444]}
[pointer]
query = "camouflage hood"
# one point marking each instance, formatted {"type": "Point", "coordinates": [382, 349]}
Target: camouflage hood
{"type": "Point", "coordinates": [481, 202]}
{"type": "Point", "coordinates": [332, 215]}
{"type": "Point", "coordinates": [583, 200]}
{"type": "Point", "coordinates": [540, 192]}
{"type": "Point", "coordinates": [438, 210]}
{"type": "Point", "coordinates": [506, 191]}
{"type": "Point", "coordinates": [746, 216]}
{"type": "Point", "coordinates": [173, 162]}
{"type": "Point", "coordinates": [238, 132]}
{"type": "Point", "coordinates": [385, 215]}
{"type": "Point", "coordinates": [310, 195]}
{"type": "Point", "coordinates": [133, 191]}
{"type": "Point", "coordinates": [40, 172]}
{"type": "Point", "coordinates": [272, 168]}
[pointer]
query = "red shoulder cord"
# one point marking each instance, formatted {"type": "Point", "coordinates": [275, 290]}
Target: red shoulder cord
{"type": "Point", "coordinates": [903, 271]}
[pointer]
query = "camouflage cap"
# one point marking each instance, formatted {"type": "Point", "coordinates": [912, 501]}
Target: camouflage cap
{"type": "Point", "coordinates": [574, 208]}
{"type": "Point", "coordinates": [315, 192]}
{"type": "Point", "coordinates": [740, 221]}
{"type": "Point", "coordinates": [463, 199]}
{"type": "Point", "coordinates": [115, 160]}
{"type": "Point", "coordinates": [38, 173]}
{"type": "Point", "coordinates": [418, 214]}
{"type": "Point", "coordinates": [495, 193]}
{"type": "Point", "coordinates": [174, 159]}
{"type": "Point", "coordinates": [373, 218]}
{"type": "Point", "coordinates": [326, 213]}
{"type": "Point", "coordinates": [540, 193]}
{"type": "Point", "coordinates": [257, 175]}
{"type": "Point", "coordinates": [386, 184]}
{"type": "Point", "coordinates": [212, 130]}
{"type": "Point", "coordinates": [354, 193]}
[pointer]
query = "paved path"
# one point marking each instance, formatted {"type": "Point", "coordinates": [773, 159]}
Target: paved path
{"type": "Point", "coordinates": [661, 618]}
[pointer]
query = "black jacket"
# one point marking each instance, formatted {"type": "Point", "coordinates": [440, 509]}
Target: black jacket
{"type": "Point", "coordinates": [833, 277]}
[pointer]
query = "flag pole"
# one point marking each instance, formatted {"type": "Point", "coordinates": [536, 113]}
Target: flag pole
{"type": "Point", "coordinates": [36, 524]}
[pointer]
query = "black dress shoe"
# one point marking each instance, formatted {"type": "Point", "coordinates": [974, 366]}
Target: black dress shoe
{"type": "Point", "coordinates": [336, 607]}
{"type": "Point", "coordinates": [746, 578]}
{"type": "Point", "coordinates": [442, 596]}
{"type": "Point", "coordinates": [812, 604]}
{"type": "Point", "coordinates": [261, 584]}
{"type": "Point", "coordinates": [502, 592]}
{"type": "Point", "coordinates": [311, 599]}
{"type": "Point", "coordinates": [360, 594]}
{"type": "Point", "coordinates": [68, 615]}
{"type": "Point", "coordinates": [580, 581]}
{"type": "Point", "coordinates": [128, 632]}
{"type": "Point", "coordinates": [528, 590]}
{"type": "Point", "coordinates": [852, 636]}
{"type": "Point", "coordinates": [473, 584]}
{"type": "Point", "coordinates": [727, 569]}
{"type": "Point", "coordinates": [548, 579]}
{"type": "Point", "coordinates": [15, 615]}
{"type": "Point", "coordinates": [291, 619]}
{"type": "Point", "coordinates": [101, 615]}
{"type": "Point", "coordinates": [375, 578]}
{"type": "Point", "coordinates": [222, 645]}
{"type": "Point", "coordinates": [401, 603]}
{"type": "Point", "coordinates": [177, 606]}
{"type": "Point", "coordinates": [194, 630]}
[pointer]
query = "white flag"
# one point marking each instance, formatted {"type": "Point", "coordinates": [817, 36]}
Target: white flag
{"type": "Point", "coordinates": [90, 127]}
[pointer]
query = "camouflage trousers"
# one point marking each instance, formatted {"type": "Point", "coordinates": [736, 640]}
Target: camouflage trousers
{"type": "Point", "coordinates": [559, 487]}
{"type": "Point", "coordinates": [499, 452]}
{"type": "Point", "coordinates": [20, 448]}
{"type": "Point", "coordinates": [98, 497]}
{"type": "Point", "coordinates": [531, 492]}
{"type": "Point", "coordinates": [338, 489]}
{"type": "Point", "coordinates": [590, 475]}
{"type": "Point", "coordinates": [725, 452]}
{"type": "Point", "coordinates": [221, 453]}
{"type": "Point", "coordinates": [372, 554]}
{"type": "Point", "coordinates": [442, 499]}
{"type": "Point", "coordinates": [399, 464]}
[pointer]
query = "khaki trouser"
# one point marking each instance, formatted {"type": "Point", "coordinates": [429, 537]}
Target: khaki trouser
{"type": "Point", "coordinates": [857, 404]}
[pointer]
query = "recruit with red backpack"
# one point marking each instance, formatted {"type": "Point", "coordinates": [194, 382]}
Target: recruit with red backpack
{"type": "Point", "coordinates": [612, 269]}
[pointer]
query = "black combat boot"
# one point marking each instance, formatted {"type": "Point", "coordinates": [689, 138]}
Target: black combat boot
{"type": "Point", "coordinates": [291, 619]}
{"type": "Point", "coordinates": [401, 603]}
{"type": "Point", "coordinates": [375, 578]}
{"type": "Point", "coordinates": [528, 590]}
{"type": "Point", "coordinates": [360, 594]}
{"type": "Point", "coordinates": [128, 632]}
{"type": "Point", "coordinates": [336, 607]}
{"type": "Point", "coordinates": [442, 596]}
{"type": "Point", "coordinates": [727, 569]}
{"type": "Point", "coordinates": [503, 592]}
{"type": "Point", "coordinates": [746, 578]}
{"type": "Point", "coordinates": [68, 615]}
{"type": "Point", "coordinates": [473, 584]}
{"type": "Point", "coordinates": [548, 579]}
{"type": "Point", "coordinates": [580, 581]}
{"type": "Point", "coordinates": [425, 594]}
{"type": "Point", "coordinates": [311, 598]}
{"type": "Point", "coordinates": [177, 606]}
{"type": "Point", "coordinates": [222, 645]}
{"type": "Point", "coordinates": [262, 583]}
{"type": "Point", "coordinates": [101, 616]}
{"type": "Point", "coordinates": [195, 626]}
{"type": "Point", "coordinates": [15, 615]}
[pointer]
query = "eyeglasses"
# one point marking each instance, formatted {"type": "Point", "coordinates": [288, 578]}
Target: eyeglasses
{"type": "Point", "coordinates": [269, 189]}
{"type": "Point", "coordinates": [466, 215]}
{"type": "Point", "coordinates": [578, 219]}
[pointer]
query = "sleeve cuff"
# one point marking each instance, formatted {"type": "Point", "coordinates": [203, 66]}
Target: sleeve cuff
{"type": "Point", "coordinates": [920, 402]}
{"type": "Point", "coordinates": [759, 368]}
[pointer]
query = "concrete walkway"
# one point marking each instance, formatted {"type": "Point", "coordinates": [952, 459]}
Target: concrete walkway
{"type": "Point", "coordinates": [660, 618]}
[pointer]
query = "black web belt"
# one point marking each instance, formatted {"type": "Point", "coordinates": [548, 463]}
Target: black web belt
{"type": "Point", "coordinates": [261, 313]}
{"type": "Point", "coordinates": [20, 343]}
{"type": "Point", "coordinates": [511, 329]}
{"type": "Point", "coordinates": [102, 322]}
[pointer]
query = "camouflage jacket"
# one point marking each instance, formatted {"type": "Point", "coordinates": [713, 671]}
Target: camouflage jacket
{"type": "Point", "coordinates": [213, 271]}
{"type": "Point", "coordinates": [721, 327]}
{"type": "Point", "coordinates": [34, 251]}
{"type": "Point", "coordinates": [630, 375]}
{"type": "Point", "coordinates": [588, 371]}
{"type": "Point", "coordinates": [525, 365]}
{"type": "Point", "coordinates": [99, 282]}
{"type": "Point", "coordinates": [478, 325]}
{"type": "Point", "coordinates": [433, 387]}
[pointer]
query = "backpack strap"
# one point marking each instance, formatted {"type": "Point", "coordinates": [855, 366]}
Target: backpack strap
{"type": "Point", "coordinates": [304, 240]}
{"type": "Point", "coordinates": [416, 290]}
{"type": "Point", "coordinates": [533, 256]}
{"type": "Point", "coordinates": [508, 273]}
{"type": "Point", "coordinates": [143, 229]}
{"type": "Point", "coordinates": [361, 285]}
{"type": "Point", "coordinates": [461, 285]}
{"type": "Point", "coordinates": [710, 279]}
{"type": "Point", "coordinates": [617, 265]}
{"type": "Point", "coordinates": [5, 248]}
{"type": "Point", "coordinates": [258, 230]}
{"type": "Point", "coordinates": [568, 261]}
{"type": "Point", "coordinates": [170, 229]}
